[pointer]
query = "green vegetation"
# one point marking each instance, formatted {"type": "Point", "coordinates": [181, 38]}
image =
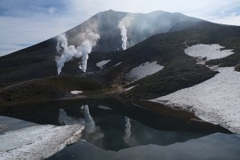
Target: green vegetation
{"type": "Point", "coordinates": [49, 88]}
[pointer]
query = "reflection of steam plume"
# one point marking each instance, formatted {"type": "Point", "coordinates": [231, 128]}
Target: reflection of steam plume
{"type": "Point", "coordinates": [127, 130]}
{"type": "Point", "coordinates": [89, 122]}
{"type": "Point", "coordinates": [93, 133]}
{"type": "Point", "coordinates": [64, 119]}
{"type": "Point", "coordinates": [68, 52]}
{"type": "Point", "coordinates": [122, 25]}
{"type": "Point", "coordinates": [2, 127]}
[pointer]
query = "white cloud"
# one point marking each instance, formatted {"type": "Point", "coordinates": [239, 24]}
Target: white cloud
{"type": "Point", "coordinates": [201, 8]}
{"type": "Point", "coordinates": [30, 26]}
{"type": "Point", "coordinates": [232, 19]}
{"type": "Point", "coordinates": [18, 33]}
{"type": "Point", "coordinates": [52, 10]}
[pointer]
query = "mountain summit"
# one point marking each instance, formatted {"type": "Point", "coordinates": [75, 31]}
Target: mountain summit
{"type": "Point", "coordinates": [110, 25]}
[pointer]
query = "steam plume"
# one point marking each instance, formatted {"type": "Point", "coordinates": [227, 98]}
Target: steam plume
{"type": "Point", "coordinates": [67, 52]}
{"type": "Point", "coordinates": [122, 25]}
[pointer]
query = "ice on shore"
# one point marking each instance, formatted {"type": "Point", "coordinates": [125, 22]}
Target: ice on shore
{"type": "Point", "coordinates": [37, 142]}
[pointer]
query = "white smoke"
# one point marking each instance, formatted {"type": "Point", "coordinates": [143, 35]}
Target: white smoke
{"type": "Point", "coordinates": [123, 25]}
{"type": "Point", "coordinates": [127, 130]}
{"type": "Point", "coordinates": [86, 49]}
{"type": "Point", "coordinates": [67, 52]}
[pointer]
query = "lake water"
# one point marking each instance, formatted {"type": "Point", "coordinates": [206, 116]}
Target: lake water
{"type": "Point", "coordinates": [117, 130]}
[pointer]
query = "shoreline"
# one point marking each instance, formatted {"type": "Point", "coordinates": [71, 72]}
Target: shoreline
{"type": "Point", "coordinates": [186, 117]}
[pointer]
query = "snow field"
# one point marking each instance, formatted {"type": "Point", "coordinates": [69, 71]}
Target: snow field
{"type": "Point", "coordinates": [143, 70]}
{"type": "Point", "coordinates": [102, 63]}
{"type": "Point", "coordinates": [216, 100]}
{"type": "Point", "coordinates": [208, 51]}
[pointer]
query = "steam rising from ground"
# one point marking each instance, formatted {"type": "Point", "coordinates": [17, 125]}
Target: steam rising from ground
{"type": "Point", "coordinates": [123, 25]}
{"type": "Point", "coordinates": [67, 52]}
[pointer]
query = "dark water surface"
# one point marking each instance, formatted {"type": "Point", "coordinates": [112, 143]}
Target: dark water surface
{"type": "Point", "coordinates": [117, 130]}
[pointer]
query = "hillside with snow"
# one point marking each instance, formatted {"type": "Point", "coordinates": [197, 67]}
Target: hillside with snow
{"type": "Point", "coordinates": [215, 100]}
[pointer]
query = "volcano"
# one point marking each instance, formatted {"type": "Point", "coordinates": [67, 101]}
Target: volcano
{"type": "Point", "coordinates": [144, 56]}
{"type": "Point", "coordinates": [38, 61]}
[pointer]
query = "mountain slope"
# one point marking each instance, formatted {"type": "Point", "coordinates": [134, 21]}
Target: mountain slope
{"type": "Point", "coordinates": [139, 27]}
{"type": "Point", "coordinates": [38, 61]}
{"type": "Point", "coordinates": [165, 49]}
{"type": "Point", "coordinates": [180, 70]}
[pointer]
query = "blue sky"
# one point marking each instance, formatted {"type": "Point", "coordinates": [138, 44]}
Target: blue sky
{"type": "Point", "coordinates": [27, 22]}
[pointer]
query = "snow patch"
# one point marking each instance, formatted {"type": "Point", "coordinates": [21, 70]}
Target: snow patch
{"type": "Point", "coordinates": [117, 64]}
{"type": "Point", "coordinates": [205, 52]}
{"type": "Point", "coordinates": [104, 107]}
{"type": "Point", "coordinates": [37, 142]}
{"type": "Point", "coordinates": [216, 100]}
{"type": "Point", "coordinates": [102, 63]}
{"type": "Point", "coordinates": [75, 92]}
{"type": "Point", "coordinates": [129, 88]}
{"type": "Point", "coordinates": [213, 68]}
{"type": "Point", "coordinates": [143, 70]}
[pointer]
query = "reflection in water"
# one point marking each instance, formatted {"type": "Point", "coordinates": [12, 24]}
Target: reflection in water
{"type": "Point", "coordinates": [89, 122]}
{"type": "Point", "coordinates": [127, 130]}
{"type": "Point", "coordinates": [112, 131]}
{"type": "Point", "coordinates": [10, 124]}
{"type": "Point", "coordinates": [64, 119]}
{"type": "Point", "coordinates": [140, 135]}
{"type": "Point", "coordinates": [3, 126]}
{"type": "Point", "coordinates": [92, 133]}
{"type": "Point", "coordinates": [215, 147]}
